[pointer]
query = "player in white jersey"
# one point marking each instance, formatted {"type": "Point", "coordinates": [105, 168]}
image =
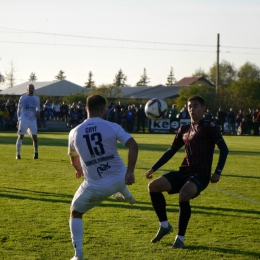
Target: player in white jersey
{"type": "Point", "coordinates": [94, 154]}
{"type": "Point", "coordinates": [28, 112]}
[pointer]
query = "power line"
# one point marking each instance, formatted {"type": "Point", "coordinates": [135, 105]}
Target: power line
{"type": "Point", "coordinates": [126, 48]}
{"type": "Point", "coordinates": [121, 40]}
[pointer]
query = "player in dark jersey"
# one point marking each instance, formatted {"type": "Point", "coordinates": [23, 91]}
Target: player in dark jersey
{"type": "Point", "coordinates": [199, 138]}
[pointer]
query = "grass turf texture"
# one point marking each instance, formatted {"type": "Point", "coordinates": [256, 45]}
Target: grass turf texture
{"type": "Point", "coordinates": [35, 197]}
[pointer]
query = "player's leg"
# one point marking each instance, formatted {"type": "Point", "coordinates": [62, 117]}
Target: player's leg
{"type": "Point", "coordinates": [84, 200]}
{"type": "Point", "coordinates": [155, 189]}
{"type": "Point", "coordinates": [191, 189]}
{"type": "Point", "coordinates": [188, 191]}
{"type": "Point", "coordinates": [125, 195]}
{"type": "Point", "coordinates": [19, 142]}
{"type": "Point", "coordinates": [32, 131]}
{"type": "Point", "coordinates": [22, 128]}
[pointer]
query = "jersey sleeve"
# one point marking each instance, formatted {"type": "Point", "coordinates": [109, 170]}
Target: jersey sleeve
{"type": "Point", "coordinates": [71, 144]}
{"type": "Point", "coordinates": [122, 135]}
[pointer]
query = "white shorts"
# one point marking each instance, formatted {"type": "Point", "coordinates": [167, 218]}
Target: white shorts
{"type": "Point", "coordinates": [27, 127]}
{"type": "Point", "coordinates": [85, 198]}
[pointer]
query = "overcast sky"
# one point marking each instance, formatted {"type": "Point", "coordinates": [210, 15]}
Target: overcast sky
{"type": "Point", "coordinates": [104, 36]}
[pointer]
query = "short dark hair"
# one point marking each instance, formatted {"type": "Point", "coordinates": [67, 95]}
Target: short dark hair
{"type": "Point", "coordinates": [96, 103]}
{"type": "Point", "coordinates": [198, 98]}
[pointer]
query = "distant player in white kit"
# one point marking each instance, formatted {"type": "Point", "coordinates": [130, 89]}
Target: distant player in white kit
{"type": "Point", "coordinates": [94, 154]}
{"type": "Point", "coordinates": [28, 112]}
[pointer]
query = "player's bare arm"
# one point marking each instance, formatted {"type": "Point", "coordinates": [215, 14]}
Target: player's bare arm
{"type": "Point", "coordinates": [75, 162]}
{"type": "Point", "coordinates": [132, 158]}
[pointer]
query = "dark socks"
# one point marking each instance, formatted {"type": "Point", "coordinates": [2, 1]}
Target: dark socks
{"type": "Point", "coordinates": [184, 216]}
{"type": "Point", "coordinates": [159, 205]}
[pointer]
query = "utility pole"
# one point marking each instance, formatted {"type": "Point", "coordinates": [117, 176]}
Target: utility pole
{"type": "Point", "coordinates": [217, 66]}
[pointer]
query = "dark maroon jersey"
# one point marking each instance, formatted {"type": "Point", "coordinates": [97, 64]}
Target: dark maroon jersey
{"type": "Point", "coordinates": [199, 140]}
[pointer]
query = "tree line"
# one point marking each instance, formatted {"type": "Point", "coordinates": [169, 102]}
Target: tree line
{"type": "Point", "coordinates": [238, 88]}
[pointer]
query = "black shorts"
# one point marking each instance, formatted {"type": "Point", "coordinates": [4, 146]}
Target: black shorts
{"type": "Point", "coordinates": [177, 179]}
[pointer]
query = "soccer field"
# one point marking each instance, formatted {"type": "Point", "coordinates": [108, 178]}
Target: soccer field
{"type": "Point", "coordinates": [35, 197]}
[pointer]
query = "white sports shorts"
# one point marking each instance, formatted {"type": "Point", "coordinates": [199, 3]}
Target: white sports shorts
{"type": "Point", "coordinates": [86, 198]}
{"type": "Point", "coordinates": [27, 127]}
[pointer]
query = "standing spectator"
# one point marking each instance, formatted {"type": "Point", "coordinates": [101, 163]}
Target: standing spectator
{"type": "Point", "coordinates": [94, 154]}
{"type": "Point", "coordinates": [193, 176]}
{"type": "Point", "coordinates": [47, 107]}
{"type": "Point", "coordinates": [2, 121]}
{"type": "Point", "coordinates": [249, 120]}
{"type": "Point", "coordinates": [256, 122]}
{"type": "Point", "coordinates": [184, 113]}
{"type": "Point", "coordinates": [231, 118]}
{"type": "Point", "coordinates": [119, 106]}
{"type": "Point", "coordinates": [106, 114]}
{"type": "Point", "coordinates": [28, 112]}
{"type": "Point", "coordinates": [173, 112]}
{"type": "Point", "coordinates": [114, 116]}
{"type": "Point", "coordinates": [5, 114]}
{"type": "Point", "coordinates": [122, 116]}
{"type": "Point", "coordinates": [208, 115]}
{"type": "Point", "coordinates": [80, 111]}
{"type": "Point", "coordinates": [42, 121]}
{"type": "Point", "coordinates": [221, 119]}
{"type": "Point", "coordinates": [56, 110]}
{"type": "Point", "coordinates": [141, 117]}
{"type": "Point", "coordinates": [64, 109]}
{"type": "Point", "coordinates": [239, 117]}
{"type": "Point", "coordinates": [129, 119]}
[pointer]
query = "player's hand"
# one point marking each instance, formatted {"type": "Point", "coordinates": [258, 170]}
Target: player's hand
{"type": "Point", "coordinates": [129, 178]}
{"type": "Point", "coordinates": [79, 174]}
{"type": "Point", "coordinates": [215, 178]}
{"type": "Point", "coordinates": [17, 125]}
{"type": "Point", "coordinates": [149, 173]}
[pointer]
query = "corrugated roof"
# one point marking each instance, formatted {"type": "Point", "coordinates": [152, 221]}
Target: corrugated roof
{"type": "Point", "coordinates": [160, 91]}
{"type": "Point", "coordinates": [48, 88]}
{"type": "Point", "coordinates": [187, 81]}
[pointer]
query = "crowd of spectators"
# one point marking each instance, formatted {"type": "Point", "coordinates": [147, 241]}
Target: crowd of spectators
{"type": "Point", "coordinates": [240, 123]}
{"type": "Point", "coordinates": [131, 118]}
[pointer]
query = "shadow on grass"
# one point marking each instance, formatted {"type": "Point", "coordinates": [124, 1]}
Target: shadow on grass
{"type": "Point", "coordinates": [241, 176]}
{"type": "Point", "coordinates": [26, 194]}
{"type": "Point", "coordinates": [223, 250]}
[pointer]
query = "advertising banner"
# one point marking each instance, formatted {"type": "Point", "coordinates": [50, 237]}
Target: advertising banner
{"type": "Point", "coordinates": [166, 125]}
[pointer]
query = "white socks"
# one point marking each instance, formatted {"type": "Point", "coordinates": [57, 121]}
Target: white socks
{"type": "Point", "coordinates": [164, 224]}
{"type": "Point", "coordinates": [76, 230]}
{"type": "Point", "coordinates": [180, 237]}
{"type": "Point", "coordinates": [18, 145]}
{"type": "Point", "coordinates": [126, 193]}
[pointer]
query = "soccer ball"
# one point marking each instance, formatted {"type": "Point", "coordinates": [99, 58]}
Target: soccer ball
{"type": "Point", "coordinates": [155, 109]}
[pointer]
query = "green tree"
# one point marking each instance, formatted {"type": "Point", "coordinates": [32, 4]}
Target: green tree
{"type": "Point", "coordinates": [248, 71]}
{"type": "Point", "coordinates": [10, 75]}
{"type": "Point", "coordinates": [227, 73]}
{"type": "Point", "coordinates": [90, 83]}
{"type": "Point", "coordinates": [246, 93]}
{"type": "Point", "coordinates": [207, 93]}
{"type": "Point", "coordinates": [144, 79]}
{"type": "Point", "coordinates": [200, 72]}
{"type": "Point", "coordinates": [170, 79]}
{"type": "Point", "coordinates": [60, 76]}
{"type": "Point", "coordinates": [32, 77]}
{"type": "Point", "coordinates": [120, 79]}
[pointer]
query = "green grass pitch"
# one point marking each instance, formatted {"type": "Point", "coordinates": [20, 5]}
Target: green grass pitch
{"type": "Point", "coordinates": [35, 197]}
